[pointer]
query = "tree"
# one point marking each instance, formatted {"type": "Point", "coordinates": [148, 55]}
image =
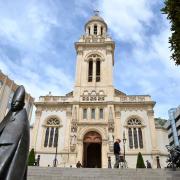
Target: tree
{"type": "Point", "coordinates": [172, 9]}
{"type": "Point", "coordinates": [31, 159]}
{"type": "Point", "coordinates": [140, 161]}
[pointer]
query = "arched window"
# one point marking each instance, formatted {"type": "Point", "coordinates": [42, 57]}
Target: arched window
{"type": "Point", "coordinates": [46, 137]}
{"type": "Point", "coordinates": [95, 29]}
{"type": "Point", "coordinates": [51, 133]}
{"type": "Point", "coordinates": [101, 30]}
{"type": "Point", "coordinates": [56, 137]}
{"type": "Point", "coordinates": [94, 67]}
{"type": "Point", "coordinates": [90, 71]}
{"type": "Point", "coordinates": [89, 32]}
{"type": "Point", "coordinates": [51, 137]}
{"type": "Point", "coordinates": [130, 138]}
{"type": "Point", "coordinates": [98, 70]}
{"type": "Point", "coordinates": [135, 133]}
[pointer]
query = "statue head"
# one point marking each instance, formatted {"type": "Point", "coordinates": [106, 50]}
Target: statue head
{"type": "Point", "coordinates": [18, 99]}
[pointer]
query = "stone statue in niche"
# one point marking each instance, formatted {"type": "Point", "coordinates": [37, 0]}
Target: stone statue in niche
{"type": "Point", "coordinates": [14, 140]}
{"type": "Point", "coordinates": [111, 138]}
{"type": "Point", "coordinates": [73, 137]}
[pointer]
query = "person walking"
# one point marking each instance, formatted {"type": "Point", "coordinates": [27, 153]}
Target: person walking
{"type": "Point", "coordinates": [117, 151]}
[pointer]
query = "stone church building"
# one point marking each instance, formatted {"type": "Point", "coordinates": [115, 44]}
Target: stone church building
{"type": "Point", "coordinates": [83, 124]}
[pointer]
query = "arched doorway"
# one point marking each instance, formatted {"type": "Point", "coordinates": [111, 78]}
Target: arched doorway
{"type": "Point", "coordinates": [92, 150]}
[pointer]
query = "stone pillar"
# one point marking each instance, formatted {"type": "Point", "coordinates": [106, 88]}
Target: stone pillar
{"type": "Point", "coordinates": [104, 154]}
{"type": "Point", "coordinates": [118, 125]}
{"type": "Point", "coordinates": [88, 113]}
{"type": "Point", "coordinates": [94, 71]}
{"type": "Point", "coordinates": [97, 114]}
{"type": "Point", "coordinates": [80, 151]}
{"type": "Point", "coordinates": [150, 114]}
{"type": "Point", "coordinates": [36, 128]}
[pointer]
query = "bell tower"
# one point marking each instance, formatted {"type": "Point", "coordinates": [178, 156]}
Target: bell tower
{"type": "Point", "coordinates": [95, 60]}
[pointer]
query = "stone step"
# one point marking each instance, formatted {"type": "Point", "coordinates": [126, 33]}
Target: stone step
{"type": "Point", "coordinates": [50, 173]}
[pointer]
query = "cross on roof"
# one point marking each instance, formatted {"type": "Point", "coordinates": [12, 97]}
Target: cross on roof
{"type": "Point", "coordinates": [96, 12]}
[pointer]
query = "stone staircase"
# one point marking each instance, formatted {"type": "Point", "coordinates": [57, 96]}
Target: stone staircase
{"type": "Point", "coordinates": [50, 173]}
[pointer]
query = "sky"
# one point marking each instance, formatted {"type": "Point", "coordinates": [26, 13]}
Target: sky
{"type": "Point", "coordinates": [37, 46]}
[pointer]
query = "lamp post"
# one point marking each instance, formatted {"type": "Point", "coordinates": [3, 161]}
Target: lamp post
{"type": "Point", "coordinates": [124, 142]}
{"type": "Point", "coordinates": [56, 143]}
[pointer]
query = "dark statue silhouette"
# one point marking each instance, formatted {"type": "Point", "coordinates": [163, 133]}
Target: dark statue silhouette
{"type": "Point", "coordinates": [14, 140]}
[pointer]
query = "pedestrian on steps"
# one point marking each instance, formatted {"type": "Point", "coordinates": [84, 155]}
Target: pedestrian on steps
{"type": "Point", "coordinates": [117, 152]}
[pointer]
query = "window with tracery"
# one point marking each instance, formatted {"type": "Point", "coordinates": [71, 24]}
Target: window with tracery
{"type": "Point", "coordinates": [51, 133]}
{"type": "Point", "coordinates": [135, 135]}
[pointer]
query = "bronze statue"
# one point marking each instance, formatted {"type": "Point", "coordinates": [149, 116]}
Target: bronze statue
{"type": "Point", "coordinates": [14, 140]}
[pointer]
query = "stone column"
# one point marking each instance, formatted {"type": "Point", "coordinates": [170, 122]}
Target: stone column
{"type": "Point", "coordinates": [36, 128]}
{"type": "Point", "coordinates": [104, 154]}
{"type": "Point", "coordinates": [150, 114]}
{"type": "Point", "coordinates": [118, 125]}
{"type": "Point", "coordinates": [96, 113]}
{"type": "Point", "coordinates": [80, 151]}
{"type": "Point", "coordinates": [94, 72]}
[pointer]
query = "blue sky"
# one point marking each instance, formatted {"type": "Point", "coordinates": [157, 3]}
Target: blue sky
{"type": "Point", "coordinates": [37, 46]}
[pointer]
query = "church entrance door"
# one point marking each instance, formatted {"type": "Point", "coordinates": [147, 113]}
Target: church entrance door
{"type": "Point", "coordinates": [92, 150]}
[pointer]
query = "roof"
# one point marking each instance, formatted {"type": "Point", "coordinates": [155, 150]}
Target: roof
{"type": "Point", "coordinates": [119, 93]}
{"type": "Point", "coordinates": [96, 18]}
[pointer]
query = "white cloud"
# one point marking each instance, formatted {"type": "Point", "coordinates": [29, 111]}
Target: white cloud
{"type": "Point", "coordinates": [145, 65]}
{"type": "Point", "coordinates": [36, 35]}
{"type": "Point", "coordinates": [127, 19]}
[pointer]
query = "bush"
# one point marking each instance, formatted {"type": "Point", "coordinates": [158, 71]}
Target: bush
{"type": "Point", "coordinates": [140, 161]}
{"type": "Point", "coordinates": [31, 159]}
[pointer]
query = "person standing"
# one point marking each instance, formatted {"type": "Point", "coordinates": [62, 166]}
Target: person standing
{"type": "Point", "coordinates": [78, 165]}
{"type": "Point", "coordinates": [148, 164]}
{"type": "Point", "coordinates": [117, 151]}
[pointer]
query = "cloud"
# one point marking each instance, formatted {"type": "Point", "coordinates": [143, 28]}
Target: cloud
{"type": "Point", "coordinates": [37, 50]}
{"type": "Point", "coordinates": [142, 54]}
{"type": "Point", "coordinates": [27, 39]}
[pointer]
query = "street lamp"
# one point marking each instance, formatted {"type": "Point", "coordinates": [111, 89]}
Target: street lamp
{"type": "Point", "coordinates": [56, 143]}
{"type": "Point", "coordinates": [124, 142]}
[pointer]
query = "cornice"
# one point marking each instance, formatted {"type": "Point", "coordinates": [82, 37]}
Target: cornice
{"type": "Point", "coordinates": [85, 123]}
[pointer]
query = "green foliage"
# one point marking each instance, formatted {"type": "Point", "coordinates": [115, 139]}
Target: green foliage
{"type": "Point", "coordinates": [160, 121]}
{"type": "Point", "coordinates": [31, 159]}
{"type": "Point", "coordinates": [140, 161]}
{"type": "Point", "coordinates": [172, 9]}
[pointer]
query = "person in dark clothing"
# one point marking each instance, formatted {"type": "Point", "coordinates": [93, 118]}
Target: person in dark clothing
{"type": "Point", "coordinates": [148, 164]}
{"type": "Point", "coordinates": [117, 151]}
{"type": "Point", "coordinates": [78, 165]}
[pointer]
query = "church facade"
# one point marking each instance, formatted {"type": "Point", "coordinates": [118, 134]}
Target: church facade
{"type": "Point", "coordinates": [83, 124]}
